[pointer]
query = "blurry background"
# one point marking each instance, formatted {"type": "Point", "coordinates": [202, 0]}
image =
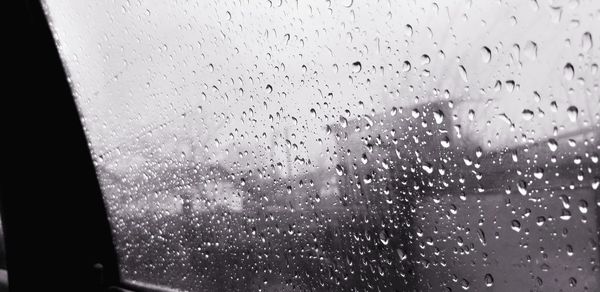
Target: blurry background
{"type": "Point", "coordinates": [338, 145]}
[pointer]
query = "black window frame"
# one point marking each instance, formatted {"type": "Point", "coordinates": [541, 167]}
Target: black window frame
{"type": "Point", "coordinates": [57, 231]}
{"type": "Point", "coordinates": [56, 226]}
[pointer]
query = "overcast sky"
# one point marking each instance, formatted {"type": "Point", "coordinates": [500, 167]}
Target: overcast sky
{"type": "Point", "coordinates": [232, 75]}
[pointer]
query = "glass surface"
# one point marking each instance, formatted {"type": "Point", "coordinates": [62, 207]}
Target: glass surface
{"type": "Point", "coordinates": [343, 145]}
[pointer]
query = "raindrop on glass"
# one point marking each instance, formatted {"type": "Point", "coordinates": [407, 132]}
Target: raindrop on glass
{"type": "Point", "coordinates": [488, 280]}
{"type": "Point", "coordinates": [486, 54]}
{"type": "Point", "coordinates": [568, 71]}
{"type": "Point", "coordinates": [572, 112]}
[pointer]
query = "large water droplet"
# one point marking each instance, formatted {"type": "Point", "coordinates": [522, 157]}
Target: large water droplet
{"type": "Point", "coordinates": [356, 67]}
{"type": "Point", "coordinates": [531, 50]}
{"type": "Point", "coordinates": [406, 66]}
{"type": "Point", "coordinates": [540, 220]}
{"type": "Point", "coordinates": [572, 282]}
{"type": "Point", "coordinates": [383, 237]}
{"type": "Point", "coordinates": [343, 122]}
{"type": "Point", "coordinates": [568, 71]}
{"type": "Point", "coordinates": [445, 141]}
{"type": "Point", "coordinates": [596, 183]}
{"type": "Point", "coordinates": [515, 225]}
{"type": "Point", "coordinates": [583, 206]}
{"type": "Point", "coordinates": [471, 115]}
{"type": "Point", "coordinates": [556, 13]}
{"type": "Point", "coordinates": [401, 254]}
{"type": "Point", "coordinates": [486, 54]}
{"type": "Point", "coordinates": [538, 173]}
{"type": "Point", "coordinates": [428, 167]}
{"type": "Point", "coordinates": [553, 145]}
{"type": "Point", "coordinates": [565, 214]}
{"type": "Point", "coordinates": [488, 280]}
{"type": "Point", "coordinates": [586, 42]}
{"type": "Point", "coordinates": [572, 112]}
{"type": "Point", "coordinates": [527, 114]}
{"type": "Point", "coordinates": [464, 284]}
{"type": "Point", "coordinates": [339, 170]}
{"type": "Point", "coordinates": [438, 116]}
{"type": "Point", "coordinates": [408, 30]}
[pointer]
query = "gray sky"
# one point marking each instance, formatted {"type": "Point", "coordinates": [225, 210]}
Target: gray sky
{"type": "Point", "coordinates": [214, 73]}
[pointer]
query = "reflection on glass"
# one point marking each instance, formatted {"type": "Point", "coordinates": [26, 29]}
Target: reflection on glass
{"type": "Point", "coordinates": [3, 267]}
{"type": "Point", "coordinates": [344, 145]}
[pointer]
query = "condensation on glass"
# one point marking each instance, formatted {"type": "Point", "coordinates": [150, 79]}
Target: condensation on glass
{"type": "Point", "coordinates": [343, 145]}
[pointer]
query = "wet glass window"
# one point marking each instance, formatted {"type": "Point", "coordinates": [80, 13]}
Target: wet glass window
{"type": "Point", "coordinates": [312, 145]}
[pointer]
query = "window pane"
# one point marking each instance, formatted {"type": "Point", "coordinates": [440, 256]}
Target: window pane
{"type": "Point", "coordinates": [338, 145]}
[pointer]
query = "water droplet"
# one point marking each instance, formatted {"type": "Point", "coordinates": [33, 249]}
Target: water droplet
{"type": "Point", "coordinates": [383, 237]}
{"type": "Point", "coordinates": [401, 254]}
{"type": "Point", "coordinates": [481, 236]}
{"type": "Point", "coordinates": [438, 116]}
{"type": "Point", "coordinates": [364, 158]}
{"type": "Point", "coordinates": [556, 13]}
{"type": "Point", "coordinates": [531, 50]}
{"type": "Point", "coordinates": [527, 114]}
{"type": "Point", "coordinates": [464, 284]}
{"type": "Point", "coordinates": [538, 173]}
{"type": "Point", "coordinates": [415, 113]}
{"type": "Point", "coordinates": [463, 73]}
{"type": "Point", "coordinates": [510, 85]}
{"type": "Point", "coordinates": [522, 187]}
{"type": "Point", "coordinates": [488, 280]}
{"type": "Point", "coordinates": [505, 118]}
{"type": "Point", "coordinates": [554, 106]}
{"type": "Point", "coordinates": [572, 282]}
{"type": "Point", "coordinates": [553, 145]}
{"type": "Point", "coordinates": [568, 71]}
{"type": "Point", "coordinates": [269, 88]}
{"type": "Point", "coordinates": [586, 42]}
{"type": "Point", "coordinates": [540, 220]}
{"type": "Point", "coordinates": [445, 141]}
{"type": "Point", "coordinates": [486, 54]}
{"type": "Point", "coordinates": [515, 225]}
{"type": "Point", "coordinates": [534, 5]}
{"type": "Point", "coordinates": [565, 214]}
{"type": "Point", "coordinates": [406, 66]}
{"type": "Point", "coordinates": [428, 168]}
{"type": "Point", "coordinates": [343, 122]}
{"type": "Point", "coordinates": [356, 67]}
{"type": "Point", "coordinates": [471, 115]}
{"type": "Point", "coordinates": [569, 250]}
{"type": "Point", "coordinates": [565, 201]}
{"type": "Point", "coordinates": [583, 206]}
{"type": "Point", "coordinates": [408, 30]}
{"type": "Point", "coordinates": [339, 169]}
{"type": "Point", "coordinates": [572, 112]}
